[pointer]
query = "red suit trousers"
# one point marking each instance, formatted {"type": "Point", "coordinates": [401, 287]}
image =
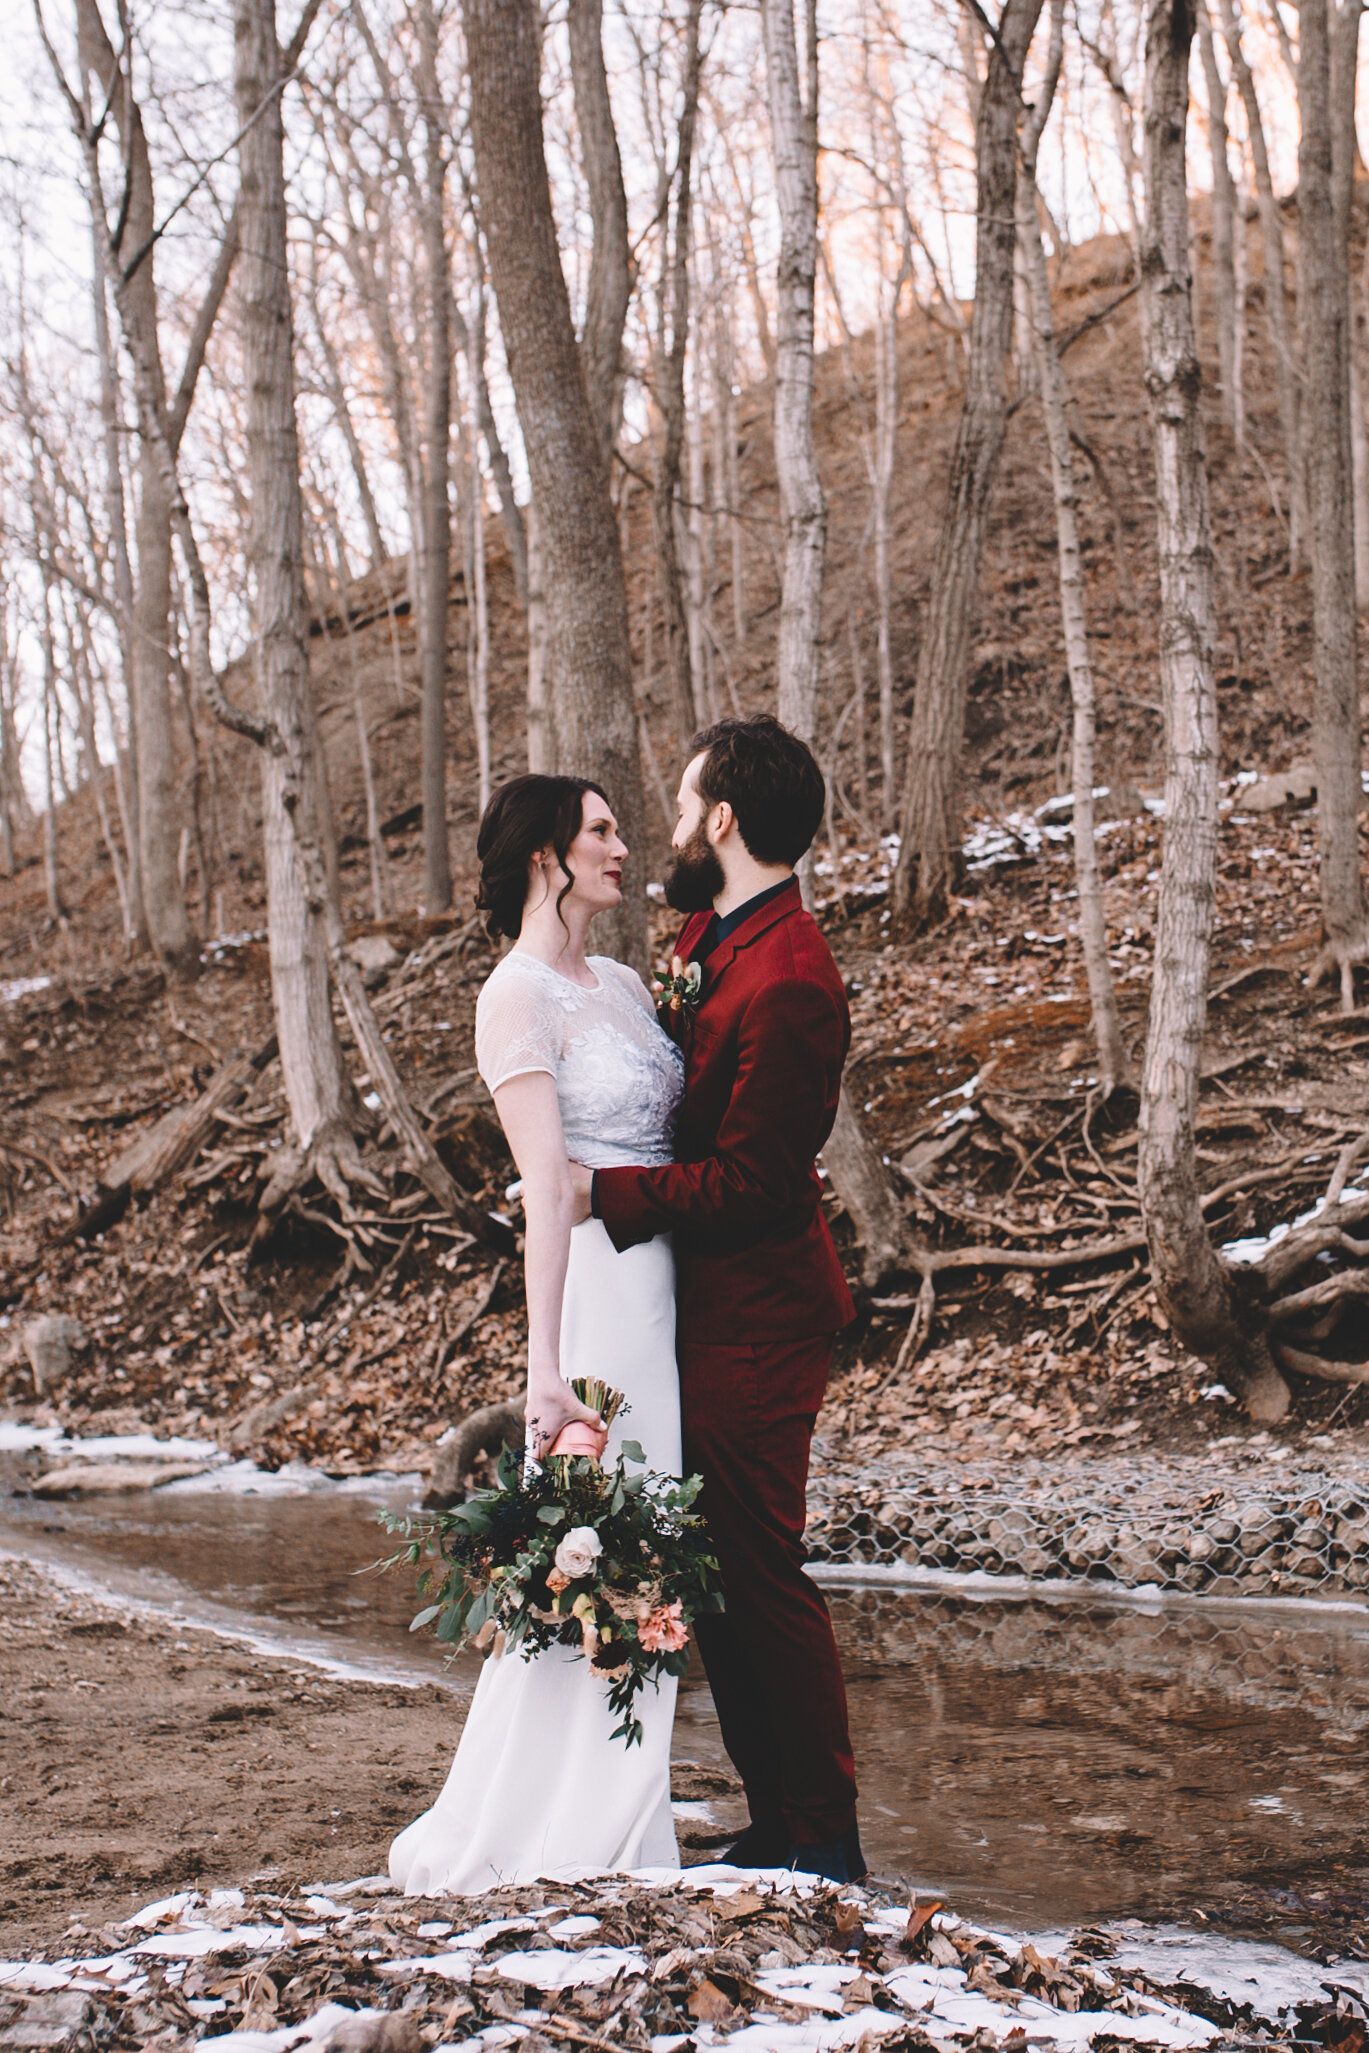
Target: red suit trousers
{"type": "Point", "coordinates": [748, 1413]}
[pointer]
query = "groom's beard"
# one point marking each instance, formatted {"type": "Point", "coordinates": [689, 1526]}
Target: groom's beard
{"type": "Point", "coordinates": [694, 876]}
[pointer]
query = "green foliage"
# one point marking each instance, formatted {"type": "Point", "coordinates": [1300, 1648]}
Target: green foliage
{"type": "Point", "coordinates": [489, 1567]}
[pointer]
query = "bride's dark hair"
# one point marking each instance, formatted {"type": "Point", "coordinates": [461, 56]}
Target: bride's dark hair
{"type": "Point", "coordinates": [524, 815]}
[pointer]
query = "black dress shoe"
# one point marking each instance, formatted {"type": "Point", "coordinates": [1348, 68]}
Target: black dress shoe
{"type": "Point", "coordinates": [760, 1846]}
{"type": "Point", "coordinates": [837, 1860]}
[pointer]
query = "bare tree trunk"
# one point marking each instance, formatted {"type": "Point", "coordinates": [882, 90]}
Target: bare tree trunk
{"type": "Point", "coordinates": [611, 265]}
{"type": "Point", "coordinates": [1359, 429]}
{"type": "Point", "coordinates": [594, 721]}
{"type": "Point", "coordinates": [116, 515]}
{"type": "Point", "coordinates": [510, 512]}
{"type": "Point", "coordinates": [881, 479]}
{"type": "Point", "coordinates": [1193, 1283]}
{"type": "Point", "coordinates": [1324, 321]}
{"type": "Point", "coordinates": [930, 852]}
{"type": "Point", "coordinates": [311, 1059]}
{"type": "Point", "coordinates": [10, 785]}
{"type": "Point", "coordinates": [342, 413]}
{"type": "Point", "coordinates": [1345, 27]}
{"type": "Point", "coordinates": [539, 712]}
{"type": "Point", "coordinates": [52, 881]}
{"type": "Point", "coordinates": [83, 684]}
{"type": "Point", "coordinates": [682, 681]}
{"type": "Point", "coordinates": [858, 1175]}
{"type": "Point", "coordinates": [375, 840]}
{"type": "Point", "coordinates": [1275, 292]}
{"type": "Point", "coordinates": [729, 480]}
{"type": "Point", "coordinates": [437, 514]}
{"type": "Point", "coordinates": [803, 509]}
{"type": "Point", "coordinates": [1093, 931]}
{"type": "Point", "coordinates": [1223, 218]}
{"type": "Point", "coordinates": [153, 731]}
{"type": "Point", "coordinates": [477, 603]}
{"type": "Point", "coordinates": [697, 567]}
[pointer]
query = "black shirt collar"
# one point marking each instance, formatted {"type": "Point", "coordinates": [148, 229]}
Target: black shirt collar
{"type": "Point", "coordinates": [718, 929]}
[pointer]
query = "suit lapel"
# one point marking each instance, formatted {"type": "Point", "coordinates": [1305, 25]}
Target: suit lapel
{"type": "Point", "coordinates": [691, 933]}
{"type": "Point", "coordinates": [777, 908]}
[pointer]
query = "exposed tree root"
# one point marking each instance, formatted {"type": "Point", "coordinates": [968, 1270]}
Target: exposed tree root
{"type": "Point", "coordinates": [1316, 1366]}
{"type": "Point", "coordinates": [1340, 958]}
{"type": "Point", "coordinates": [487, 1431]}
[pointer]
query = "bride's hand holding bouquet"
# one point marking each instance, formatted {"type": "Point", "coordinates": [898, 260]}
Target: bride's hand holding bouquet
{"type": "Point", "coordinates": [614, 1562]}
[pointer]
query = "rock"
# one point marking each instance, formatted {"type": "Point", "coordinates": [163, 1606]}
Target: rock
{"type": "Point", "coordinates": [108, 1478]}
{"type": "Point", "coordinates": [50, 2020]}
{"type": "Point", "coordinates": [259, 1420]}
{"type": "Point", "coordinates": [1294, 787]}
{"type": "Point", "coordinates": [370, 2031]}
{"type": "Point", "coordinates": [375, 955]}
{"type": "Point", "coordinates": [49, 1343]}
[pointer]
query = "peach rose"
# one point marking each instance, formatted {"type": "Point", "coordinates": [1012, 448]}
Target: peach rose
{"type": "Point", "coordinates": [557, 1580]}
{"type": "Point", "coordinates": [665, 1631]}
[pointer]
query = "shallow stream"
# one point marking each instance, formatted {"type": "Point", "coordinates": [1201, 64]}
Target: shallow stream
{"type": "Point", "coordinates": [1043, 1761]}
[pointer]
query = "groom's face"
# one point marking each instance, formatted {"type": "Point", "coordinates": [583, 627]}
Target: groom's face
{"type": "Point", "coordinates": [694, 876]}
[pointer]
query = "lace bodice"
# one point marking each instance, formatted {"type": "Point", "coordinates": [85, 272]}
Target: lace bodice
{"type": "Point", "coordinates": [619, 1078]}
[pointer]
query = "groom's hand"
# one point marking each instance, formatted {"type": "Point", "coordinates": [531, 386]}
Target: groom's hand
{"type": "Point", "coordinates": [582, 1183]}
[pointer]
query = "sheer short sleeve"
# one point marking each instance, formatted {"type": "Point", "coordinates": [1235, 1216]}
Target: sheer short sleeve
{"type": "Point", "coordinates": [518, 1027]}
{"type": "Point", "coordinates": [626, 976]}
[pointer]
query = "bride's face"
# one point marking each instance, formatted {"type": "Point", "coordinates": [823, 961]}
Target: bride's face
{"type": "Point", "coordinates": [595, 860]}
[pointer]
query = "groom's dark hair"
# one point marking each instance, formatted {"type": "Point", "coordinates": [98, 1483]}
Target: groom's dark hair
{"type": "Point", "coordinates": [770, 779]}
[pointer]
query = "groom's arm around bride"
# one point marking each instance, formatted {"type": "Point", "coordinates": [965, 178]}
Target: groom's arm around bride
{"type": "Point", "coordinates": [761, 1291]}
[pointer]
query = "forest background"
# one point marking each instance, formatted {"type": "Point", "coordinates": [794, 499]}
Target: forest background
{"type": "Point", "coordinates": [397, 396]}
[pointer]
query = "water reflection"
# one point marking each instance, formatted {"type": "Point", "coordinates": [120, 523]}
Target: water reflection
{"type": "Point", "coordinates": [1073, 1761]}
{"type": "Point", "coordinates": [1043, 1762]}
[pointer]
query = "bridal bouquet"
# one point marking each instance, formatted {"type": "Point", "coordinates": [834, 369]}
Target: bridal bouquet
{"type": "Point", "coordinates": [613, 1561]}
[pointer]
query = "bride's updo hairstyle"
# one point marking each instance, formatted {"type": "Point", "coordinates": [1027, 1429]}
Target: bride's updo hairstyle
{"type": "Point", "coordinates": [524, 815]}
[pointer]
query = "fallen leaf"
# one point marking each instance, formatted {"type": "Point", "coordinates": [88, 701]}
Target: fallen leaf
{"type": "Point", "coordinates": [1038, 1963]}
{"type": "Point", "coordinates": [740, 1906]}
{"type": "Point", "coordinates": [678, 1957]}
{"type": "Point", "coordinates": [921, 1914]}
{"type": "Point", "coordinates": [707, 2002]}
{"type": "Point", "coordinates": [859, 1993]}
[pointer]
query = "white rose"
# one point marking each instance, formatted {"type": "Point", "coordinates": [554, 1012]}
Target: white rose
{"type": "Point", "coordinates": [579, 1551]}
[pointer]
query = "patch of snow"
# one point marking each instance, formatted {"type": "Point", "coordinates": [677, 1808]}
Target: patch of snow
{"type": "Point", "coordinates": [448, 1967]}
{"type": "Point", "coordinates": [558, 1968]}
{"type": "Point", "coordinates": [1269, 1978]}
{"type": "Point", "coordinates": [481, 1935]}
{"type": "Point", "coordinates": [693, 1813]}
{"type": "Point", "coordinates": [14, 988]}
{"type": "Point", "coordinates": [19, 1439]}
{"type": "Point", "coordinates": [33, 1976]}
{"type": "Point", "coordinates": [815, 1987]}
{"type": "Point", "coordinates": [316, 2032]}
{"type": "Point", "coordinates": [194, 1942]}
{"type": "Point", "coordinates": [575, 1928]}
{"type": "Point", "coordinates": [162, 1912]}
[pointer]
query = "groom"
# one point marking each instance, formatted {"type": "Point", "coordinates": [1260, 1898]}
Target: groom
{"type": "Point", "coordinates": [760, 1290]}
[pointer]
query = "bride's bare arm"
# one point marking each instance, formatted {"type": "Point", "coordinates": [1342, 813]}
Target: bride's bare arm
{"type": "Point", "coordinates": [531, 1119]}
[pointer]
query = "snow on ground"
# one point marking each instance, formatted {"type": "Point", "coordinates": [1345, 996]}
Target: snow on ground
{"type": "Point", "coordinates": [698, 1957]}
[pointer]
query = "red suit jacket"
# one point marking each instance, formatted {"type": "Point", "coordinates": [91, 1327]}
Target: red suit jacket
{"type": "Point", "coordinates": [764, 1050]}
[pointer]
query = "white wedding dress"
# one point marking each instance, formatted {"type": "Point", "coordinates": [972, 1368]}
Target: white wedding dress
{"type": "Point", "coordinates": [538, 1786]}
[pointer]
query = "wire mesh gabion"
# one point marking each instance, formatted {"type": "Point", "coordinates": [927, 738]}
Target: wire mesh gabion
{"type": "Point", "coordinates": [1306, 1535]}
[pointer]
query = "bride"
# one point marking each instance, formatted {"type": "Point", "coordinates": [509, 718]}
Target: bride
{"type": "Point", "coordinates": [569, 1046]}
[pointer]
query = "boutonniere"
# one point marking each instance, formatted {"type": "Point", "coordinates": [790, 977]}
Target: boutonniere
{"type": "Point", "coordinates": [681, 990]}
